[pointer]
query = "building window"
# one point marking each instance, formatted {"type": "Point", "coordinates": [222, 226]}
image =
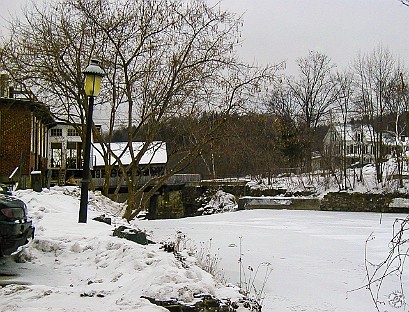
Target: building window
{"type": "Point", "coordinates": [358, 136]}
{"type": "Point", "coordinates": [56, 154]}
{"type": "Point", "coordinates": [56, 132]}
{"type": "Point", "coordinates": [72, 132]}
{"type": "Point", "coordinates": [73, 155]}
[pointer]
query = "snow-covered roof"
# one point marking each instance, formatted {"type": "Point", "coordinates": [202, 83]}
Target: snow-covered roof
{"type": "Point", "coordinates": [349, 132]}
{"type": "Point", "coordinates": [156, 153]}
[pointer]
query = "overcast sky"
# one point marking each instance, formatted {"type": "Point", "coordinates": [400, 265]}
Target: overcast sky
{"type": "Point", "coordinates": [276, 30]}
{"type": "Point", "coordinates": [284, 30]}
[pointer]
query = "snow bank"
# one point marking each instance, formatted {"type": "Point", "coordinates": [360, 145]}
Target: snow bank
{"type": "Point", "coordinates": [81, 267]}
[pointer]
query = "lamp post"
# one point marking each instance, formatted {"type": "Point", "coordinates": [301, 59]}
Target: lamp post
{"type": "Point", "coordinates": [93, 75]}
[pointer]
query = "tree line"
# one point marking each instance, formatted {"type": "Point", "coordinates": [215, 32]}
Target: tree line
{"type": "Point", "coordinates": [373, 91]}
{"type": "Point", "coordinates": [290, 122]}
{"type": "Point", "coordinates": [253, 144]}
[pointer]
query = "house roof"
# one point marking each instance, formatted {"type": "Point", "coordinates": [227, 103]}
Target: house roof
{"type": "Point", "coordinates": [42, 112]}
{"type": "Point", "coordinates": [156, 153]}
{"type": "Point", "coordinates": [349, 132]}
{"type": "Point", "coordinates": [71, 124]}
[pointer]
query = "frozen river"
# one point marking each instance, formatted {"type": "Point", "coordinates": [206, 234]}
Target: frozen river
{"type": "Point", "coordinates": [317, 258]}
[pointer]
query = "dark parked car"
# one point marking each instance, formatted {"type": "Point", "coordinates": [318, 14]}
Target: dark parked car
{"type": "Point", "coordinates": [15, 228]}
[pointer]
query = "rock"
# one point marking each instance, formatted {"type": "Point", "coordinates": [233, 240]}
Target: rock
{"type": "Point", "coordinates": [103, 219]}
{"type": "Point", "coordinates": [207, 303]}
{"type": "Point", "coordinates": [134, 235]}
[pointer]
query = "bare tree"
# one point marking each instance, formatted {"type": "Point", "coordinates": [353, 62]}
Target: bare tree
{"type": "Point", "coordinates": [314, 93]}
{"type": "Point", "coordinates": [46, 53]}
{"type": "Point", "coordinates": [374, 73]}
{"type": "Point", "coordinates": [163, 59]}
{"type": "Point", "coordinates": [397, 103]}
{"type": "Point", "coordinates": [343, 109]}
{"type": "Point", "coordinates": [282, 101]}
{"type": "Point", "coordinates": [283, 106]}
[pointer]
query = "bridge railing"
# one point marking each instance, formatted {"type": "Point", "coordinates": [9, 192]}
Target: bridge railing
{"type": "Point", "coordinates": [175, 179]}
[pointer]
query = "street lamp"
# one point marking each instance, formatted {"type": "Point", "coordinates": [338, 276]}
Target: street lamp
{"type": "Point", "coordinates": [93, 75]}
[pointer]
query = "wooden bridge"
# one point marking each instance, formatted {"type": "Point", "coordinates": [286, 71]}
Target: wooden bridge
{"type": "Point", "coordinates": [177, 179]}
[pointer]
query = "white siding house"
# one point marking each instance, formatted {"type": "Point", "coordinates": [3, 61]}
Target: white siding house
{"type": "Point", "coordinates": [64, 153]}
{"type": "Point", "coordinates": [356, 143]}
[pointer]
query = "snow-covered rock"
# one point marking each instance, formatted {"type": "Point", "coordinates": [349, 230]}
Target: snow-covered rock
{"type": "Point", "coordinates": [220, 202]}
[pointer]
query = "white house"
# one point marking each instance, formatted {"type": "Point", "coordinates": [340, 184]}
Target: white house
{"type": "Point", "coordinates": [64, 153]}
{"type": "Point", "coordinates": [64, 147]}
{"type": "Point", "coordinates": [356, 142]}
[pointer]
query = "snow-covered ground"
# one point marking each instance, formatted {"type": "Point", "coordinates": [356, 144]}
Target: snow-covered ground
{"type": "Point", "coordinates": [361, 180]}
{"type": "Point", "coordinates": [82, 267]}
{"type": "Point", "coordinates": [317, 259]}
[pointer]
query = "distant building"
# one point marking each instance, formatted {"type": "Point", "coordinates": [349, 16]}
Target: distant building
{"type": "Point", "coordinates": [356, 143]}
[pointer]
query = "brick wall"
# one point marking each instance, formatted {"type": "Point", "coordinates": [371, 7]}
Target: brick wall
{"type": "Point", "coordinates": [15, 137]}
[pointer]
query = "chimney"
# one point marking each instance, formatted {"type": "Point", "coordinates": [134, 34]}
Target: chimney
{"type": "Point", "coordinates": [4, 84]}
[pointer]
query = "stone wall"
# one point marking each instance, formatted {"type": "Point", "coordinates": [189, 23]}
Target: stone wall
{"type": "Point", "coordinates": [268, 202]}
{"type": "Point", "coordinates": [179, 201]}
{"type": "Point", "coordinates": [167, 204]}
{"type": "Point", "coordinates": [354, 202]}
{"type": "Point", "coordinates": [184, 201]}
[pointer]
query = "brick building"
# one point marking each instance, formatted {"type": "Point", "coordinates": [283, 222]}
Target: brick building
{"type": "Point", "coordinates": [23, 137]}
